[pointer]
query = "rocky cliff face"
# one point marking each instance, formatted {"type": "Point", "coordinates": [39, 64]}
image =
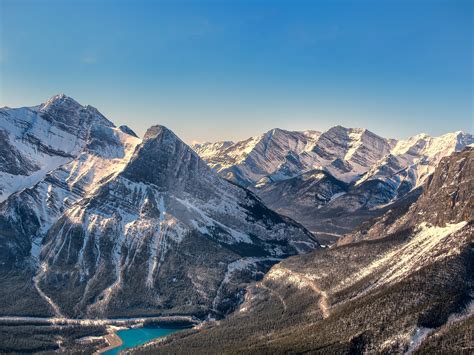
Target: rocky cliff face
{"type": "Point", "coordinates": [405, 286]}
{"type": "Point", "coordinates": [274, 153]}
{"type": "Point", "coordinates": [165, 235]}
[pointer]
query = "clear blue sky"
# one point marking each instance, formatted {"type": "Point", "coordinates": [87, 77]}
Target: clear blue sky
{"type": "Point", "coordinates": [214, 70]}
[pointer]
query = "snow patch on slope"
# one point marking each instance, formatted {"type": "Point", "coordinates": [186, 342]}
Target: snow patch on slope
{"type": "Point", "coordinates": [423, 249]}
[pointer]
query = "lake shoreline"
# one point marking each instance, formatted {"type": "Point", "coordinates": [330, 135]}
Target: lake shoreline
{"type": "Point", "coordinates": [164, 321]}
{"type": "Point", "coordinates": [113, 340]}
{"type": "Point", "coordinates": [132, 337]}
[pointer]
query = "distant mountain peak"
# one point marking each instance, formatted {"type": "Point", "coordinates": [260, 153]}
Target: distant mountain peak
{"type": "Point", "coordinates": [276, 131]}
{"type": "Point", "coordinates": [341, 130]}
{"type": "Point", "coordinates": [70, 114]}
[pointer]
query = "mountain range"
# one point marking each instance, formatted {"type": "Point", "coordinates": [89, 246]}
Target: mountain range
{"type": "Point", "coordinates": [331, 181]}
{"type": "Point", "coordinates": [325, 242]}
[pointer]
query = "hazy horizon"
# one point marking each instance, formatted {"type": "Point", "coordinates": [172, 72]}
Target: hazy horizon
{"type": "Point", "coordinates": [215, 71]}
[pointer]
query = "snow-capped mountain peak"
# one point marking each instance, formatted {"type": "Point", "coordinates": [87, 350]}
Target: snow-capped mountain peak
{"type": "Point", "coordinates": [36, 140]}
{"type": "Point", "coordinates": [59, 100]}
{"type": "Point", "coordinates": [412, 160]}
{"type": "Point", "coordinates": [70, 115]}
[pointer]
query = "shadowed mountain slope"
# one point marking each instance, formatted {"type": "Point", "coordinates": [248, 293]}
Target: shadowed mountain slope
{"type": "Point", "coordinates": [383, 294]}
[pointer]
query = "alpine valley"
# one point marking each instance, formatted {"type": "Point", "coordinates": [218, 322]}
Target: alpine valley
{"type": "Point", "coordinates": [326, 242]}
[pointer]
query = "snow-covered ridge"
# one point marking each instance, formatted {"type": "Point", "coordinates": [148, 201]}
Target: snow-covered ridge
{"type": "Point", "coordinates": [278, 154]}
{"type": "Point", "coordinates": [248, 161]}
{"type": "Point", "coordinates": [39, 139]}
{"type": "Point", "coordinates": [352, 155]}
{"type": "Point", "coordinates": [412, 160]}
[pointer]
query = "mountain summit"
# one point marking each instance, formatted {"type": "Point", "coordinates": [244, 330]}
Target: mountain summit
{"type": "Point", "coordinates": [166, 161]}
{"type": "Point", "coordinates": [39, 139]}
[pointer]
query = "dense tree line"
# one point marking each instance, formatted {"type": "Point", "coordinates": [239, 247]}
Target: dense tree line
{"type": "Point", "coordinates": [48, 338]}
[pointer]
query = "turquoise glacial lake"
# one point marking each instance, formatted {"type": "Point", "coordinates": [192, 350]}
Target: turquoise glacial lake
{"type": "Point", "coordinates": [138, 336]}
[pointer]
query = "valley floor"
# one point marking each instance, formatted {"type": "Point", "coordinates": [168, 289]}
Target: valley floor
{"type": "Point", "coordinates": [14, 320]}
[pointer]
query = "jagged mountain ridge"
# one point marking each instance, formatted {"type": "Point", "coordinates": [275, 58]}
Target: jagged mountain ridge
{"type": "Point", "coordinates": [401, 285]}
{"type": "Point", "coordinates": [352, 155]}
{"type": "Point", "coordinates": [132, 226]}
{"type": "Point", "coordinates": [279, 154]}
{"type": "Point", "coordinates": [377, 172]}
{"type": "Point", "coordinates": [248, 161]}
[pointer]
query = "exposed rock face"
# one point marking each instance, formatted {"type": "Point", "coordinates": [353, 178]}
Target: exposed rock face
{"type": "Point", "coordinates": [165, 161]}
{"type": "Point", "coordinates": [258, 157]}
{"type": "Point", "coordinates": [131, 227]}
{"type": "Point", "coordinates": [449, 191]}
{"type": "Point", "coordinates": [409, 273]}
